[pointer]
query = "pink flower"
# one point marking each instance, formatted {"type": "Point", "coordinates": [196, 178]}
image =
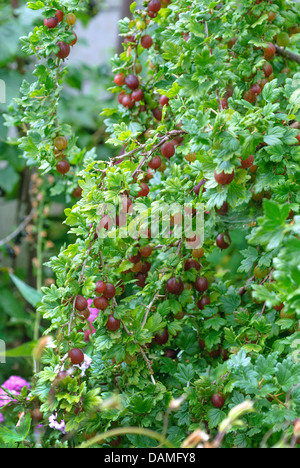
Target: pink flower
{"type": "Point", "coordinates": [15, 384]}
{"type": "Point", "coordinates": [93, 315]}
{"type": "Point", "coordinates": [5, 398]}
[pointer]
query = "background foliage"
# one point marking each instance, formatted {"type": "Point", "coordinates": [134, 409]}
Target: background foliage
{"type": "Point", "coordinates": [173, 360]}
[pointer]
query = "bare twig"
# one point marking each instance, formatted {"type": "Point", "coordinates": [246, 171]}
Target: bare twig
{"type": "Point", "coordinates": [148, 308]}
{"type": "Point", "coordinates": [19, 229]}
{"type": "Point", "coordinates": [287, 54]}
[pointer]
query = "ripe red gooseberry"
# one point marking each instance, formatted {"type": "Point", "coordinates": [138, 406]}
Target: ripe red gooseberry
{"type": "Point", "coordinates": [164, 101]}
{"type": "Point", "coordinates": [168, 149]}
{"type": "Point", "coordinates": [162, 337]}
{"type": "Point", "coordinates": [51, 22]}
{"type": "Point", "coordinates": [63, 167]}
{"type": "Point", "coordinates": [76, 356]}
{"type": "Point", "coordinates": [146, 41]}
{"type": "Point", "coordinates": [112, 323]}
{"type": "Point", "coordinates": [132, 82]}
{"type": "Point", "coordinates": [110, 291]}
{"type": "Point", "coordinates": [223, 178]}
{"type": "Point", "coordinates": [154, 6]}
{"type": "Point", "coordinates": [119, 79]}
{"type": "Point", "coordinates": [64, 50]}
{"type": "Point", "coordinates": [218, 401]}
{"type": "Point", "coordinates": [59, 15]}
{"type": "Point", "coordinates": [81, 303]}
{"type": "Point", "coordinates": [155, 162]}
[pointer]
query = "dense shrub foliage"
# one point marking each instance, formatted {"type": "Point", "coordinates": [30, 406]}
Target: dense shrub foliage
{"type": "Point", "coordinates": [161, 332]}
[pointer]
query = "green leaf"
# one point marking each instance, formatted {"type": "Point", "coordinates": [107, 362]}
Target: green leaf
{"type": "Point", "coordinates": [31, 295]}
{"type": "Point", "coordinates": [185, 373]}
{"type": "Point", "coordinates": [25, 350]}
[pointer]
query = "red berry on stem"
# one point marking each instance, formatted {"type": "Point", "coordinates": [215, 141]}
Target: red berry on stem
{"type": "Point", "coordinates": [218, 400]}
{"type": "Point", "coordinates": [144, 192]}
{"type": "Point", "coordinates": [223, 210]}
{"type": "Point", "coordinates": [162, 337]}
{"type": "Point", "coordinates": [146, 41]}
{"type": "Point", "coordinates": [135, 258]}
{"type": "Point", "coordinates": [175, 286]}
{"type": "Point", "coordinates": [127, 101]}
{"type": "Point", "coordinates": [127, 204]}
{"type": "Point", "coordinates": [81, 303]}
{"type": "Point", "coordinates": [170, 353]}
{"type": "Point", "coordinates": [201, 284]}
{"type": "Point", "coordinates": [204, 301]}
{"type": "Point", "coordinates": [64, 50]}
{"type": "Point", "coordinates": [155, 162]}
{"type": "Point", "coordinates": [137, 95]}
{"type": "Point", "coordinates": [224, 179]}
{"type": "Point", "coordinates": [224, 103]}
{"type": "Point", "coordinates": [267, 69]}
{"type": "Point", "coordinates": [191, 263]}
{"type": "Point", "coordinates": [85, 314]}
{"type": "Point", "coordinates": [146, 251]}
{"type": "Point", "coordinates": [121, 97]}
{"type": "Point", "coordinates": [76, 356]}
{"type": "Point", "coordinates": [132, 81]}
{"type": "Point", "coordinates": [146, 267]}
{"type": "Point", "coordinates": [110, 291]}
{"type": "Point", "coordinates": [246, 163]}
{"type": "Point", "coordinates": [157, 113]}
{"type": "Point", "coordinates": [249, 97]}
{"type": "Point", "coordinates": [168, 149]}
{"type": "Point", "coordinates": [100, 287]}
{"type": "Point", "coordinates": [74, 40]}
{"type": "Point", "coordinates": [112, 323]}
{"type": "Point", "coordinates": [77, 192]}
{"type": "Point", "coordinates": [154, 6]}
{"type": "Point", "coordinates": [101, 303]}
{"type": "Point", "coordinates": [255, 89]}
{"type": "Point", "coordinates": [105, 223]}
{"type": "Point", "coordinates": [119, 79]}
{"type": "Point", "coordinates": [164, 101]}
{"type": "Point", "coordinates": [141, 280]}
{"type": "Point", "coordinates": [59, 15]}
{"type": "Point", "coordinates": [269, 51]}
{"type": "Point", "coordinates": [221, 242]}
{"type": "Point", "coordinates": [51, 22]}
{"type": "Point", "coordinates": [63, 167]}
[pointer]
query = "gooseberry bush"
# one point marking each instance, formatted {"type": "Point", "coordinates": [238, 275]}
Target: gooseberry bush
{"type": "Point", "coordinates": [156, 335]}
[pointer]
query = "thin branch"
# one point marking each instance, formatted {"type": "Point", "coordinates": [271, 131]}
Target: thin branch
{"type": "Point", "coordinates": [167, 137]}
{"type": "Point", "coordinates": [287, 54]}
{"type": "Point", "coordinates": [148, 308]}
{"type": "Point", "coordinates": [19, 229]}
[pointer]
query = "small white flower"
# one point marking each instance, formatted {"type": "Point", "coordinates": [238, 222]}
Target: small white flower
{"type": "Point", "coordinates": [54, 424]}
{"type": "Point", "coordinates": [84, 365]}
